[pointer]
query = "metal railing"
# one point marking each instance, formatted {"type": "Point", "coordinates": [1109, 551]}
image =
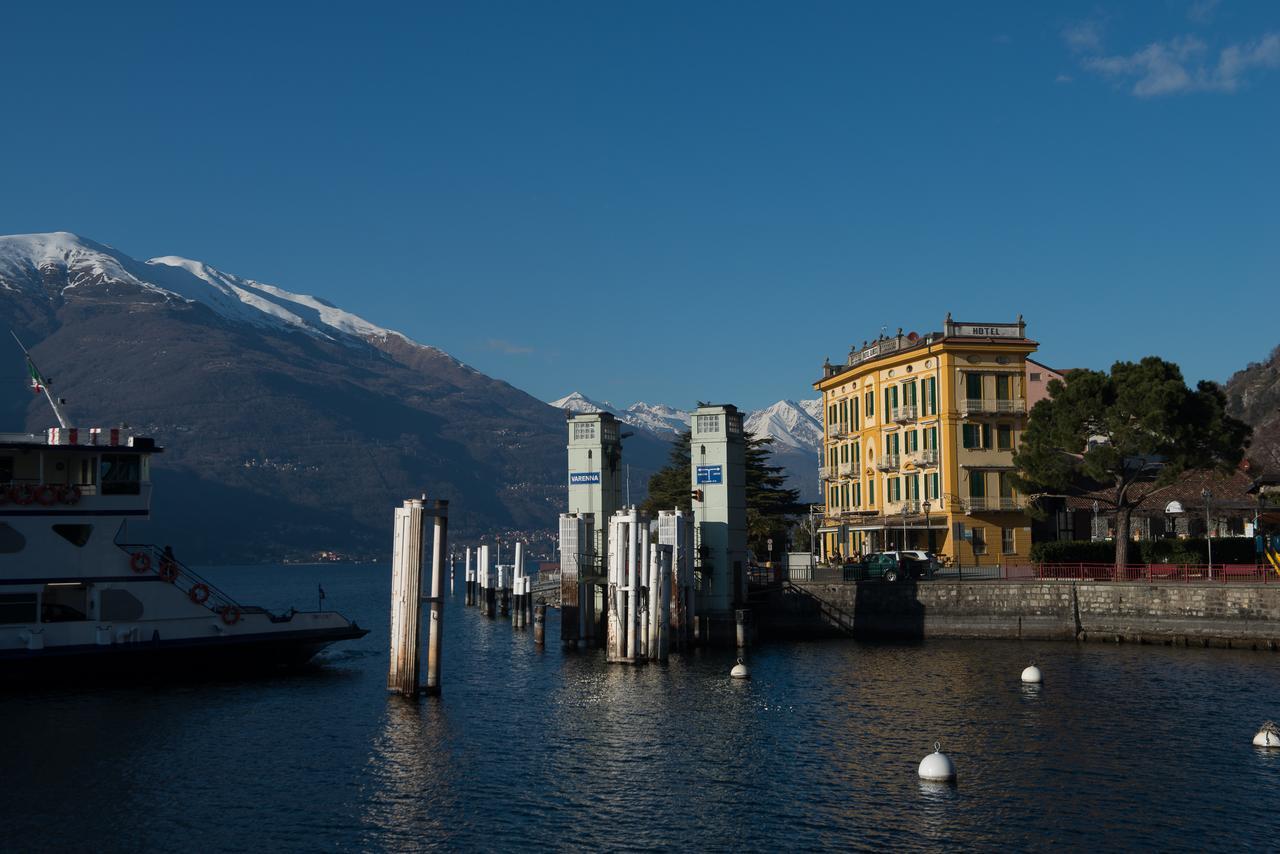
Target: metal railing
{"type": "Point", "coordinates": [889, 462]}
{"type": "Point", "coordinates": [1002, 502]}
{"type": "Point", "coordinates": [1185, 573]}
{"type": "Point", "coordinates": [973, 405]}
{"type": "Point", "coordinates": [926, 457]}
{"type": "Point", "coordinates": [845, 469]}
{"type": "Point", "coordinates": [169, 568]}
{"type": "Point", "coordinates": [824, 473]}
{"type": "Point", "coordinates": [904, 413]}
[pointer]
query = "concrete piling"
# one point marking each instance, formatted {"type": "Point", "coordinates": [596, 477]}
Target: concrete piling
{"type": "Point", "coordinates": [435, 636]}
{"type": "Point", "coordinates": [740, 619]}
{"type": "Point", "coordinates": [540, 622]}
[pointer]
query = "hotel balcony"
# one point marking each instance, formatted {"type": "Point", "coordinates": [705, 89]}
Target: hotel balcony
{"type": "Point", "coordinates": [839, 431]}
{"type": "Point", "coordinates": [986, 406]}
{"type": "Point", "coordinates": [889, 462]}
{"type": "Point", "coordinates": [990, 503]}
{"type": "Point", "coordinates": [904, 414]}
{"type": "Point", "coordinates": [909, 506]}
{"type": "Point", "coordinates": [845, 469]}
{"type": "Point", "coordinates": [927, 458]}
{"type": "Point", "coordinates": [824, 473]}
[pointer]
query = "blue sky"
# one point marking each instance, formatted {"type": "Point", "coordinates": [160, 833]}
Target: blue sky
{"type": "Point", "coordinates": [680, 201]}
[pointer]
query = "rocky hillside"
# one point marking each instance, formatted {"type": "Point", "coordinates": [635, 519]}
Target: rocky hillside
{"type": "Point", "coordinates": [1253, 395]}
{"type": "Point", "coordinates": [290, 427]}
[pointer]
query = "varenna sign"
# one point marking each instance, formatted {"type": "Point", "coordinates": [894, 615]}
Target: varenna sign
{"type": "Point", "coordinates": [584, 477]}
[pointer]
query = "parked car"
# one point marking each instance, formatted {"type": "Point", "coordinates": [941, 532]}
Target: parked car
{"type": "Point", "coordinates": [892, 566]}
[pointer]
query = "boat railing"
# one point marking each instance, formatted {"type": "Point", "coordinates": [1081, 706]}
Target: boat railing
{"type": "Point", "coordinates": [168, 568]}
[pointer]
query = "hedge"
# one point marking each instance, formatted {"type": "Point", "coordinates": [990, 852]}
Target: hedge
{"type": "Point", "coordinates": [1225, 550]}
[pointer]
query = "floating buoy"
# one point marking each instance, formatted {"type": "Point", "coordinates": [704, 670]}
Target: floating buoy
{"type": "Point", "coordinates": [1031, 674]}
{"type": "Point", "coordinates": [740, 671]}
{"type": "Point", "coordinates": [937, 766]}
{"type": "Point", "coordinates": [1268, 736]}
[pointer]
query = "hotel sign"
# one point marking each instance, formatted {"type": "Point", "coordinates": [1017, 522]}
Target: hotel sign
{"type": "Point", "coordinates": [1002, 331]}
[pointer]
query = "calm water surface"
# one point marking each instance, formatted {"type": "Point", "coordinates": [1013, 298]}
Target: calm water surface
{"type": "Point", "coordinates": [1123, 747]}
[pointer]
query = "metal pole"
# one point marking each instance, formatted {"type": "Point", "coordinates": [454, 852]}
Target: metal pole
{"type": "Point", "coordinates": [1208, 534]}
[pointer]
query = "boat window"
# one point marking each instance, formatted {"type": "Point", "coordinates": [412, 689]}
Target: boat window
{"type": "Point", "coordinates": [120, 605]}
{"type": "Point", "coordinates": [121, 474]}
{"type": "Point", "coordinates": [77, 535]}
{"type": "Point", "coordinates": [64, 603]}
{"type": "Point", "coordinates": [11, 540]}
{"type": "Point", "coordinates": [17, 607]}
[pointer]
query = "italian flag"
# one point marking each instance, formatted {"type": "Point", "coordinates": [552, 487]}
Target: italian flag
{"type": "Point", "coordinates": [37, 384]}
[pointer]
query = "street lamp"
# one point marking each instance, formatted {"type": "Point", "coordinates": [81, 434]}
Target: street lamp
{"type": "Point", "coordinates": [929, 531]}
{"type": "Point", "coordinates": [904, 526]}
{"type": "Point", "coordinates": [1093, 535]}
{"type": "Point", "coordinates": [1208, 534]}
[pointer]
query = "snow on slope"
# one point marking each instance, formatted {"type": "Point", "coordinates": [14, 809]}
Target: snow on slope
{"type": "Point", "coordinates": [792, 425]}
{"type": "Point", "coordinates": [789, 424]}
{"type": "Point", "coordinates": [26, 260]}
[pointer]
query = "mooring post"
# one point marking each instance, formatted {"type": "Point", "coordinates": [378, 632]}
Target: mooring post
{"type": "Point", "coordinates": [540, 622]}
{"type": "Point", "coordinates": [406, 597]}
{"type": "Point", "coordinates": [468, 597]}
{"type": "Point", "coordinates": [740, 618]}
{"type": "Point", "coordinates": [482, 579]}
{"type": "Point", "coordinates": [435, 637]}
{"type": "Point", "coordinates": [664, 602]}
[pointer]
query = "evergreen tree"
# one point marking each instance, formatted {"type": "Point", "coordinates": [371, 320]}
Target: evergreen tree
{"type": "Point", "coordinates": [1124, 437]}
{"type": "Point", "coordinates": [669, 486]}
{"type": "Point", "coordinates": [770, 504]}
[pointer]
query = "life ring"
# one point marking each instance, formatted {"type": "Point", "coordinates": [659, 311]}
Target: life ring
{"type": "Point", "coordinates": [230, 615]}
{"type": "Point", "coordinates": [140, 562]}
{"type": "Point", "coordinates": [45, 494]}
{"type": "Point", "coordinates": [70, 494]}
{"type": "Point", "coordinates": [199, 593]}
{"type": "Point", "coordinates": [168, 570]}
{"type": "Point", "coordinates": [21, 494]}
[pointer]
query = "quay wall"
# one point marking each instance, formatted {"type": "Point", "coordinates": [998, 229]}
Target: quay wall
{"type": "Point", "coordinates": [1228, 615]}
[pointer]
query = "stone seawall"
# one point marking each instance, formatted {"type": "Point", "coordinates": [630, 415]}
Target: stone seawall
{"type": "Point", "coordinates": [1235, 615]}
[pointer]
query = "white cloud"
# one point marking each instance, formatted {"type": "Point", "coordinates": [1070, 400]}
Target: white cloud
{"type": "Point", "coordinates": [1063, 78]}
{"type": "Point", "coordinates": [1201, 11]}
{"type": "Point", "coordinates": [1185, 64]}
{"type": "Point", "coordinates": [1084, 37]}
{"type": "Point", "coordinates": [507, 348]}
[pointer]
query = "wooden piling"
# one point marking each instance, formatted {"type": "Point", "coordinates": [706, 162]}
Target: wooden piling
{"type": "Point", "coordinates": [407, 586]}
{"type": "Point", "coordinates": [435, 637]}
{"type": "Point", "coordinates": [540, 622]}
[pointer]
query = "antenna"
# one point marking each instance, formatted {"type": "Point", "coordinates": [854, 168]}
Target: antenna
{"type": "Point", "coordinates": [39, 383]}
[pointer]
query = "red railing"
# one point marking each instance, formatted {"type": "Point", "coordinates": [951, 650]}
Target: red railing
{"type": "Point", "coordinates": [1190, 573]}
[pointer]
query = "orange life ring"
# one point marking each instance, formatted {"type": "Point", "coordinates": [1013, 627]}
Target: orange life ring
{"type": "Point", "coordinates": [21, 494]}
{"type": "Point", "coordinates": [168, 570]}
{"type": "Point", "coordinates": [140, 562]}
{"type": "Point", "coordinates": [70, 495]}
{"type": "Point", "coordinates": [45, 494]}
{"type": "Point", "coordinates": [230, 615]}
{"type": "Point", "coordinates": [199, 593]}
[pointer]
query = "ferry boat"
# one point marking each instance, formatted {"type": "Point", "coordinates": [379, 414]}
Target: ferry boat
{"type": "Point", "coordinates": [78, 599]}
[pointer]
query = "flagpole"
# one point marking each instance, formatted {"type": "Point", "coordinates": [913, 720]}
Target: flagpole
{"type": "Point", "coordinates": [41, 385]}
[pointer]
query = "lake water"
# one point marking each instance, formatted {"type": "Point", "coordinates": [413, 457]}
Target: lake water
{"type": "Point", "coordinates": [1123, 747]}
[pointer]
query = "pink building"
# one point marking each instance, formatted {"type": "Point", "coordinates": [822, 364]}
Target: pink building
{"type": "Point", "coordinates": [1038, 377]}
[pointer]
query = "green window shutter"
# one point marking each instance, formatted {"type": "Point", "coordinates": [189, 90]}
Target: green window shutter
{"type": "Point", "coordinates": [857, 423]}
{"type": "Point", "coordinates": [972, 435]}
{"type": "Point", "coordinates": [973, 386]}
{"type": "Point", "coordinates": [1004, 386]}
{"type": "Point", "coordinates": [977, 484]}
{"type": "Point", "coordinates": [986, 435]}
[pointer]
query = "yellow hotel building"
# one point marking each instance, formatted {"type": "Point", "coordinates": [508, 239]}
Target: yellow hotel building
{"type": "Point", "coordinates": [919, 433]}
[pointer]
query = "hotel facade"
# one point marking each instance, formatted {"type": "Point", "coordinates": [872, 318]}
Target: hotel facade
{"type": "Point", "coordinates": [918, 439]}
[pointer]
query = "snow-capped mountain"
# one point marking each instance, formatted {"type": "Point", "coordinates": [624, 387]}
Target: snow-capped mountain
{"type": "Point", "coordinates": [793, 425]}
{"type": "Point", "coordinates": [286, 420]}
{"type": "Point", "coordinates": [67, 262]}
{"type": "Point", "coordinates": [789, 423]}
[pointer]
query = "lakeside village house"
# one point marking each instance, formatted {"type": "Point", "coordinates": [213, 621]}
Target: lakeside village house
{"type": "Point", "coordinates": [919, 434]}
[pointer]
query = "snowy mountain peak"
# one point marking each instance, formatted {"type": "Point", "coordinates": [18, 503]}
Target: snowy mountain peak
{"type": "Point", "coordinates": [37, 262]}
{"type": "Point", "coordinates": [794, 425]}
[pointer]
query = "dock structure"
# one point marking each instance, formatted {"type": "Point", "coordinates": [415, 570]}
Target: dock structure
{"type": "Point", "coordinates": [408, 586]}
{"type": "Point", "coordinates": [675, 529]}
{"type": "Point", "coordinates": [718, 481]}
{"type": "Point", "coordinates": [595, 477]}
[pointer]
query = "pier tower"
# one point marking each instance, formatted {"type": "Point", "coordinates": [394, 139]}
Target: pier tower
{"type": "Point", "coordinates": [595, 494]}
{"type": "Point", "coordinates": [718, 480]}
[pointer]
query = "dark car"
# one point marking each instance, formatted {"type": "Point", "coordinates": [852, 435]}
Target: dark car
{"type": "Point", "coordinates": [888, 566]}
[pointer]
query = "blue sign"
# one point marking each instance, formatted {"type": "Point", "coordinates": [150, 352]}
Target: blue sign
{"type": "Point", "coordinates": [710, 474]}
{"type": "Point", "coordinates": [576, 477]}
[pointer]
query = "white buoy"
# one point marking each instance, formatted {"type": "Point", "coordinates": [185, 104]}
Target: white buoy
{"type": "Point", "coordinates": [740, 671]}
{"type": "Point", "coordinates": [937, 766]}
{"type": "Point", "coordinates": [1268, 736]}
{"type": "Point", "coordinates": [1031, 675]}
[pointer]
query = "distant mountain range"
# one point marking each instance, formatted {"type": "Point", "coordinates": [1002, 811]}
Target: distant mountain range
{"type": "Point", "coordinates": [1253, 396]}
{"type": "Point", "coordinates": [795, 427]}
{"type": "Point", "coordinates": [290, 426]}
